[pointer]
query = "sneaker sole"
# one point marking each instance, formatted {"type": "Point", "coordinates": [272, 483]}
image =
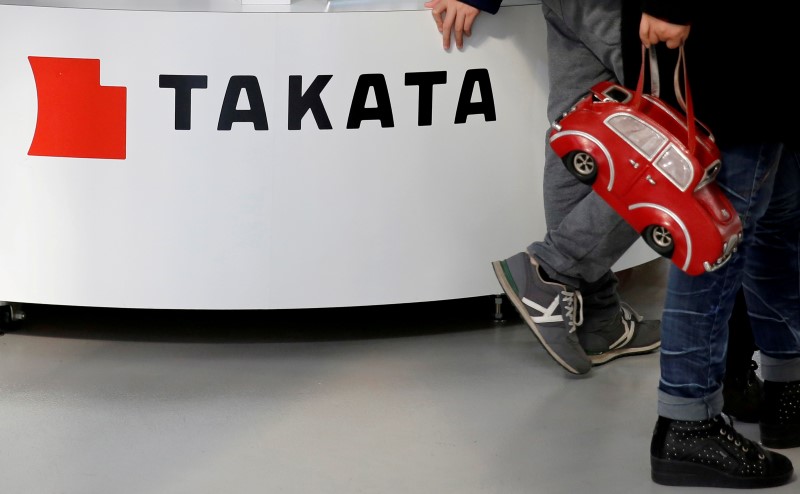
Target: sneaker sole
{"type": "Point", "coordinates": [500, 273]}
{"type": "Point", "coordinates": [606, 357]}
{"type": "Point", "coordinates": [684, 473]}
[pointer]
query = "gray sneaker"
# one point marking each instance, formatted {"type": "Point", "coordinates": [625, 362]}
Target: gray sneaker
{"type": "Point", "coordinates": [551, 310]}
{"type": "Point", "coordinates": [627, 334]}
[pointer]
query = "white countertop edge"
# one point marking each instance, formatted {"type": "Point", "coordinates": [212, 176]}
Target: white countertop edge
{"type": "Point", "coordinates": [235, 6]}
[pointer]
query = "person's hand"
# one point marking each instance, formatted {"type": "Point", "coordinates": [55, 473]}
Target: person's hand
{"type": "Point", "coordinates": [454, 19]}
{"type": "Point", "coordinates": [653, 30]}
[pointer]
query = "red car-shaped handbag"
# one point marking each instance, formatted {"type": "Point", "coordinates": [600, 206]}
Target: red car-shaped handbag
{"type": "Point", "coordinates": [655, 166]}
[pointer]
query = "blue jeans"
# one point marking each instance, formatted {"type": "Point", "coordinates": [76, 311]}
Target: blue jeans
{"type": "Point", "coordinates": [762, 182]}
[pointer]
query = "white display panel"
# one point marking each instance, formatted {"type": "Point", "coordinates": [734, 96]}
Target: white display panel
{"type": "Point", "coordinates": [202, 218]}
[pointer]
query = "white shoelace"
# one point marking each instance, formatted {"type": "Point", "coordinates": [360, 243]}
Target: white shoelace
{"type": "Point", "coordinates": [629, 320]}
{"type": "Point", "coordinates": [573, 309]}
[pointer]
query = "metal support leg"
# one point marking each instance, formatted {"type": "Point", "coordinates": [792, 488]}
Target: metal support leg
{"type": "Point", "coordinates": [498, 308]}
{"type": "Point", "coordinates": [11, 313]}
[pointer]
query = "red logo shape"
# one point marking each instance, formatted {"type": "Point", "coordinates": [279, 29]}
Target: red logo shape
{"type": "Point", "coordinates": [78, 118]}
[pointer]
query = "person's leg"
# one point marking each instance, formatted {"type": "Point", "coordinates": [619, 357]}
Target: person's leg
{"type": "Point", "coordinates": [697, 308]}
{"type": "Point", "coordinates": [583, 48]}
{"type": "Point", "coordinates": [586, 236]}
{"type": "Point", "coordinates": [742, 387]}
{"type": "Point", "coordinates": [772, 290]}
{"type": "Point", "coordinates": [544, 284]}
{"type": "Point", "coordinates": [692, 444]}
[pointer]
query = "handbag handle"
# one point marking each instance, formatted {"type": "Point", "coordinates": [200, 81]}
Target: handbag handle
{"type": "Point", "coordinates": [684, 102]}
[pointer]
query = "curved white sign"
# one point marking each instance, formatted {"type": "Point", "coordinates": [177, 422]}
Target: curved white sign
{"type": "Point", "coordinates": [265, 160]}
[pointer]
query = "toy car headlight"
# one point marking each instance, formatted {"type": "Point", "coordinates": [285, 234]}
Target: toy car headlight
{"type": "Point", "coordinates": [676, 167]}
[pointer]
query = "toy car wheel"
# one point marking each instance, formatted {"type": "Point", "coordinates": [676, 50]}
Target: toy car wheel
{"type": "Point", "coordinates": [582, 165]}
{"type": "Point", "coordinates": [659, 239]}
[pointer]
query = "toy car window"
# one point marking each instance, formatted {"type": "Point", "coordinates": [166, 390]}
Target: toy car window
{"type": "Point", "coordinates": [709, 175]}
{"type": "Point", "coordinates": [618, 94]}
{"type": "Point", "coordinates": [676, 167]}
{"type": "Point", "coordinates": [638, 134]}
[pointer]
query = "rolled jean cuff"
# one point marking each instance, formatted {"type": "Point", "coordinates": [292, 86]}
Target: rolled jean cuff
{"type": "Point", "coordinates": [680, 408]}
{"type": "Point", "coordinates": [780, 370]}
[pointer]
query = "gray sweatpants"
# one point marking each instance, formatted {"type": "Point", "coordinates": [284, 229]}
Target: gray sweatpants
{"type": "Point", "coordinates": [585, 236]}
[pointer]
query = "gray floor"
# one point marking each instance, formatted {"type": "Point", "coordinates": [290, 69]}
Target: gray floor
{"type": "Point", "coordinates": [423, 398]}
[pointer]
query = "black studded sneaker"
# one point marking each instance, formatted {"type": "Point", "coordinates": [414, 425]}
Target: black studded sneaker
{"type": "Point", "coordinates": [710, 453]}
{"type": "Point", "coordinates": [780, 415]}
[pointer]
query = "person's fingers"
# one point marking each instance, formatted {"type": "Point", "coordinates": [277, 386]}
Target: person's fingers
{"type": "Point", "coordinates": [459, 29]}
{"type": "Point", "coordinates": [468, 25]}
{"type": "Point", "coordinates": [447, 27]}
{"type": "Point", "coordinates": [435, 12]}
{"type": "Point", "coordinates": [644, 33]}
{"type": "Point", "coordinates": [437, 18]}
